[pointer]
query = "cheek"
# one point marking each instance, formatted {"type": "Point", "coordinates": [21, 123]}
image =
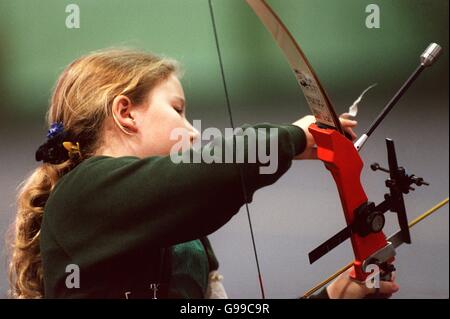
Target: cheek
{"type": "Point", "coordinates": [167, 124]}
{"type": "Point", "coordinates": [156, 136]}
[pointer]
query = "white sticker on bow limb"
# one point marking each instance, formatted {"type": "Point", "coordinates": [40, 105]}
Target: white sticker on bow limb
{"type": "Point", "coordinates": [373, 19]}
{"type": "Point", "coordinates": [306, 82]}
{"type": "Point", "coordinates": [314, 97]}
{"type": "Point", "coordinates": [73, 19]}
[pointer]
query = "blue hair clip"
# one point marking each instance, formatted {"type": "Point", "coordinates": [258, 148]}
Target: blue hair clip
{"type": "Point", "coordinates": [55, 129]}
{"type": "Point", "coordinates": [58, 148]}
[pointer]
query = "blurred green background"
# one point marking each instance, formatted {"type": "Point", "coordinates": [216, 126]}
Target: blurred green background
{"type": "Point", "coordinates": [347, 56]}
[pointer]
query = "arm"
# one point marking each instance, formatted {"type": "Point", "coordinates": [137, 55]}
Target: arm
{"type": "Point", "coordinates": [118, 204]}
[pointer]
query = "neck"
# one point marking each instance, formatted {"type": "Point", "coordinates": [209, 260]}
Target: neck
{"type": "Point", "coordinates": [115, 144]}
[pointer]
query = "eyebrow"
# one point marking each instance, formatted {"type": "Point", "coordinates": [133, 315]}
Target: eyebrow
{"type": "Point", "coordinates": [180, 99]}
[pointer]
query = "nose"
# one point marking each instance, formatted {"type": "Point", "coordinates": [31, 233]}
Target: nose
{"type": "Point", "coordinates": [194, 134]}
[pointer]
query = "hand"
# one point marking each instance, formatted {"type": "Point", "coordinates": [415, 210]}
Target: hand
{"type": "Point", "coordinates": [348, 125]}
{"type": "Point", "coordinates": [310, 151]}
{"type": "Point", "coordinates": [346, 288]}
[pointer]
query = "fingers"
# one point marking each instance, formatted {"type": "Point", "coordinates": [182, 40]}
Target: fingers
{"type": "Point", "coordinates": [347, 126]}
{"type": "Point", "coordinates": [393, 276]}
{"type": "Point", "coordinates": [388, 287]}
{"type": "Point", "coordinates": [352, 134]}
{"type": "Point", "coordinates": [346, 116]}
{"type": "Point", "coordinates": [347, 122]}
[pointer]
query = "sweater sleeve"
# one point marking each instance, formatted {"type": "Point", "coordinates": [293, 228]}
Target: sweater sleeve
{"type": "Point", "coordinates": [124, 203]}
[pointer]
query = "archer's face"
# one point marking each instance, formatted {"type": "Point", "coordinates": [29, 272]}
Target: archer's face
{"type": "Point", "coordinates": [165, 111]}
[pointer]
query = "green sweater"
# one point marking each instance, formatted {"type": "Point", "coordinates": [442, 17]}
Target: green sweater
{"type": "Point", "coordinates": [130, 223]}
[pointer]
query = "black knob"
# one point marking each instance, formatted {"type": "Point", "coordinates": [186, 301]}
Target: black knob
{"type": "Point", "coordinates": [418, 181]}
{"type": "Point", "coordinates": [375, 222]}
{"type": "Point", "coordinates": [390, 183]}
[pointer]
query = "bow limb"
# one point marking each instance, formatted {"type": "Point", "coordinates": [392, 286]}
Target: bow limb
{"type": "Point", "coordinates": [315, 95]}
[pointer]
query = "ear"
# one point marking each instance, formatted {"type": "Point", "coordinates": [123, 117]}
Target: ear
{"type": "Point", "coordinates": [122, 112]}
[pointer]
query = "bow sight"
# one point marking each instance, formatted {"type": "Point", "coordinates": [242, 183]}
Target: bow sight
{"type": "Point", "coordinates": [369, 218]}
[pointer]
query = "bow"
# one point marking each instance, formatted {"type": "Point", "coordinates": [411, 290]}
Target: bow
{"type": "Point", "coordinates": [365, 220]}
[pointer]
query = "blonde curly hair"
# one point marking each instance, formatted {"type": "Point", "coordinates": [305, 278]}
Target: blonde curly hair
{"type": "Point", "coordinates": [82, 100]}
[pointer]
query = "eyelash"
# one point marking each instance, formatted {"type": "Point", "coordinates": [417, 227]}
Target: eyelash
{"type": "Point", "coordinates": [179, 110]}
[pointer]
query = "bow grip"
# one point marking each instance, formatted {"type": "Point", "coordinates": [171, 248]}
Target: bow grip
{"type": "Point", "coordinates": [342, 159]}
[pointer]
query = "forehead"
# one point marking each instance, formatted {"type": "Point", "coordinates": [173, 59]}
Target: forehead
{"type": "Point", "coordinates": [172, 86]}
